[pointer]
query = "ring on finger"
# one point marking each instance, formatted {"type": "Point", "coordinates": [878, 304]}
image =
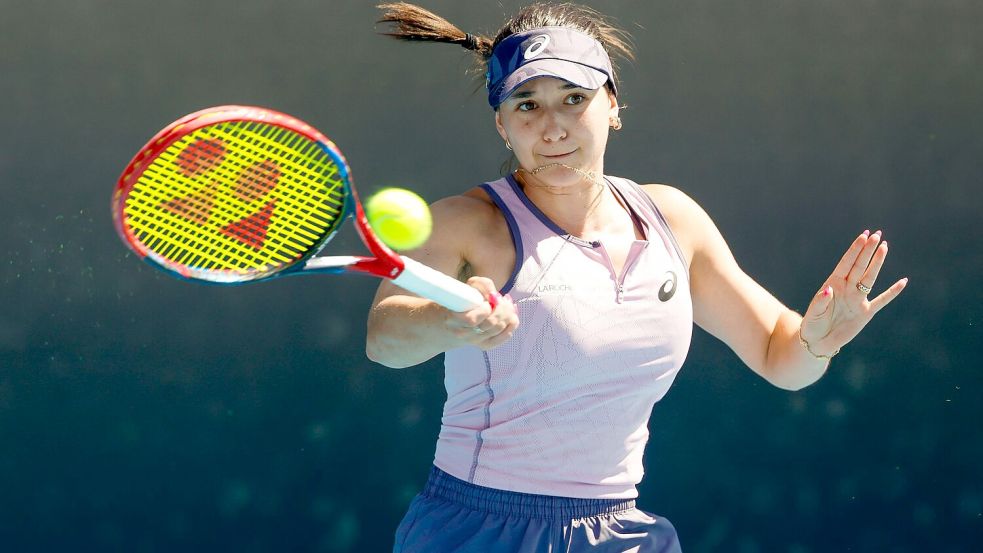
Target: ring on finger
{"type": "Point", "coordinates": [863, 288]}
{"type": "Point", "coordinates": [478, 330]}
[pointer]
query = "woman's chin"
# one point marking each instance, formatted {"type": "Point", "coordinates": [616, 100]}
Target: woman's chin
{"type": "Point", "coordinates": [559, 175]}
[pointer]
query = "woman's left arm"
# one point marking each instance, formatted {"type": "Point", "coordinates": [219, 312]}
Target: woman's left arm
{"type": "Point", "coordinates": [765, 334]}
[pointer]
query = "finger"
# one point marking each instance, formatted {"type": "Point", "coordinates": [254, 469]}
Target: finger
{"type": "Point", "coordinates": [494, 299]}
{"type": "Point", "coordinates": [503, 336]}
{"type": "Point", "coordinates": [500, 317]}
{"type": "Point", "coordinates": [487, 328]}
{"type": "Point", "coordinates": [468, 334]}
{"type": "Point", "coordinates": [846, 262]}
{"type": "Point", "coordinates": [820, 304]}
{"type": "Point", "coordinates": [860, 265]}
{"type": "Point", "coordinates": [870, 277]}
{"type": "Point", "coordinates": [888, 296]}
{"type": "Point", "coordinates": [470, 319]}
{"type": "Point", "coordinates": [483, 334]}
{"type": "Point", "coordinates": [487, 288]}
{"type": "Point", "coordinates": [484, 285]}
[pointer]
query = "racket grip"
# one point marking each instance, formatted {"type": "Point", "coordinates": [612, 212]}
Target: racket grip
{"type": "Point", "coordinates": [435, 285]}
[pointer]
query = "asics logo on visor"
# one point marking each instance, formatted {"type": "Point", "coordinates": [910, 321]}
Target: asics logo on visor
{"type": "Point", "coordinates": [538, 45]}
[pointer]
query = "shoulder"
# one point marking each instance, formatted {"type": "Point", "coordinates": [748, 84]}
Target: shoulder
{"type": "Point", "coordinates": [471, 217]}
{"type": "Point", "coordinates": [687, 220]}
{"type": "Point", "coordinates": [472, 205]}
{"type": "Point", "coordinates": [671, 201]}
{"type": "Point", "coordinates": [464, 217]}
{"type": "Point", "coordinates": [470, 236]}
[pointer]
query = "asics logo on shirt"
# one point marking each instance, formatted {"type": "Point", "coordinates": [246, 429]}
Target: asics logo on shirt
{"type": "Point", "coordinates": [538, 45]}
{"type": "Point", "coordinates": [668, 288]}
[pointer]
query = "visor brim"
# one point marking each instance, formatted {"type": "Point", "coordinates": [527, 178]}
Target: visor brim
{"type": "Point", "coordinates": [574, 73]}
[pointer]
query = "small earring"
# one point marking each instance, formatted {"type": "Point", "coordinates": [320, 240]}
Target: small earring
{"type": "Point", "coordinates": [616, 123]}
{"type": "Point", "coordinates": [508, 144]}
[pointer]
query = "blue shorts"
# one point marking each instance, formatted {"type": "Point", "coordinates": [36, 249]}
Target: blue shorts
{"type": "Point", "coordinates": [453, 515]}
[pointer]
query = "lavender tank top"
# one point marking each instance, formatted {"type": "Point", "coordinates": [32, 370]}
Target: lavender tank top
{"type": "Point", "coordinates": [562, 408]}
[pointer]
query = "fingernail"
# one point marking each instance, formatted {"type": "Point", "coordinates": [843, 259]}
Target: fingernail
{"type": "Point", "coordinates": [878, 233]}
{"type": "Point", "coordinates": [867, 233]}
{"type": "Point", "coordinates": [827, 291]}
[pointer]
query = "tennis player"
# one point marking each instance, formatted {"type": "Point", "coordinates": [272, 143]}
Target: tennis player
{"type": "Point", "coordinates": [541, 442]}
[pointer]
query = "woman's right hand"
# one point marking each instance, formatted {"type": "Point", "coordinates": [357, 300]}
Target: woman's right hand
{"type": "Point", "coordinates": [403, 329]}
{"type": "Point", "coordinates": [485, 327]}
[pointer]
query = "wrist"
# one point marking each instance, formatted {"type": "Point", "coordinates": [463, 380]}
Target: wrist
{"type": "Point", "coordinates": [813, 352]}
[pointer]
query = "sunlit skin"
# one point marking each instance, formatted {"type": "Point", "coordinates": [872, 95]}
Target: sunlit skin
{"type": "Point", "coordinates": [550, 124]}
{"type": "Point", "coordinates": [558, 133]}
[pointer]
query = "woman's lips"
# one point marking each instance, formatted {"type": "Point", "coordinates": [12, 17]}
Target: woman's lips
{"type": "Point", "coordinates": [556, 156]}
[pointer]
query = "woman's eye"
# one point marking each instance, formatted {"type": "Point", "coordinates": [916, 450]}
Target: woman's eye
{"type": "Point", "coordinates": [575, 99]}
{"type": "Point", "coordinates": [526, 106]}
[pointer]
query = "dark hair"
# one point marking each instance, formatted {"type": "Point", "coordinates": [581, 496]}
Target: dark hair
{"type": "Point", "coordinates": [411, 22]}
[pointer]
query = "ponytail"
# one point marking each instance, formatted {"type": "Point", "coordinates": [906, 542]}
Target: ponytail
{"type": "Point", "coordinates": [412, 22]}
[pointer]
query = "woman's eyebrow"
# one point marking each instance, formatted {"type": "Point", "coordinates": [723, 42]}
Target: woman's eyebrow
{"type": "Point", "coordinates": [529, 93]}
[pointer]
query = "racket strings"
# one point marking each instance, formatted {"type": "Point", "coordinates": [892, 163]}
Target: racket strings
{"type": "Point", "coordinates": [195, 209]}
{"type": "Point", "coordinates": [210, 198]}
{"type": "Point", "coordinates": [232, 171]}
{"type": "Point", "coordinates": [234, 168]}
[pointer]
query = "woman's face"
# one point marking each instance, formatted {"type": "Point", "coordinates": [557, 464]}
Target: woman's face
{"type": "Point", "coordinates": [552, 123]}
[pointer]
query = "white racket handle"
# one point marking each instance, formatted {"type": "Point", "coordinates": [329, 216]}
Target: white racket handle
{"type": "Point", "coordinates": [435, 285]}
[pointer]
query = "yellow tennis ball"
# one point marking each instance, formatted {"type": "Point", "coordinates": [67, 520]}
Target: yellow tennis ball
{"type": "Point", "coordinates": [399, 218]}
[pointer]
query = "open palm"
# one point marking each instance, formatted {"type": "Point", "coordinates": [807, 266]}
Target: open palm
{"type": "Point", "coordinates": [841, 309]}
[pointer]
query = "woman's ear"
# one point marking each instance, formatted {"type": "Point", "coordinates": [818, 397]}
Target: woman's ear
{"type": "Point", "coordinates": [499, 126]}
{"type": "Point", "coordinates": [615, 108]}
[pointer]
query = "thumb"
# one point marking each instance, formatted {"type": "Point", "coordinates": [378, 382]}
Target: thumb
{"type": "Point", "coordinates": [820, 305]}
{"type": "Point", "coordinates": [487, 289]}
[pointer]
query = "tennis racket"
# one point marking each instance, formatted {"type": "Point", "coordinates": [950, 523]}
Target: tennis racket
{"type": "Point", "coordinates": [236, 194]}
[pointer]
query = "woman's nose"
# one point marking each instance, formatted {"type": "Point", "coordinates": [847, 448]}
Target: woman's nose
{"type": "Point", "coordinates": [553, 129]}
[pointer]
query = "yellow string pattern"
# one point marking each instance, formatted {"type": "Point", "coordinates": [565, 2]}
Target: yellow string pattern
{"type": "Point", "coordinates": [237, 199]}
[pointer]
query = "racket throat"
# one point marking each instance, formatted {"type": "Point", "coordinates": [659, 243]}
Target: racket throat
{"type": "Point", "coordinates": [358, 264]}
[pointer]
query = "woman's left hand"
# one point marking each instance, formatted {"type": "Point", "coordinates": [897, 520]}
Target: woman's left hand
{"type": "Point", "coordinates": [841, 309]}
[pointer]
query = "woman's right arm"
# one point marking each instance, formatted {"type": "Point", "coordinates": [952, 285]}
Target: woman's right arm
{"type": "Point", "coordinates": [405, 329]}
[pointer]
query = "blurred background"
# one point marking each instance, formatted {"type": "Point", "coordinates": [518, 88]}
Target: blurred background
{"type": "Point", "coordinates": [141, 413]}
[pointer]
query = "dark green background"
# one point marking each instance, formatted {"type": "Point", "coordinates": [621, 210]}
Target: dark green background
{"type": "Point", "coordinates": [141, 413]}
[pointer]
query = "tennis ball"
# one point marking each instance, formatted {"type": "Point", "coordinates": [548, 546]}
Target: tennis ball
{"type": "Point", "coordinates": [399, 218]}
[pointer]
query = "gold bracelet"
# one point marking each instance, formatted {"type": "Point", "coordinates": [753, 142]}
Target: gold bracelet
{"type": "Point", "coordinates": [805, 344]}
